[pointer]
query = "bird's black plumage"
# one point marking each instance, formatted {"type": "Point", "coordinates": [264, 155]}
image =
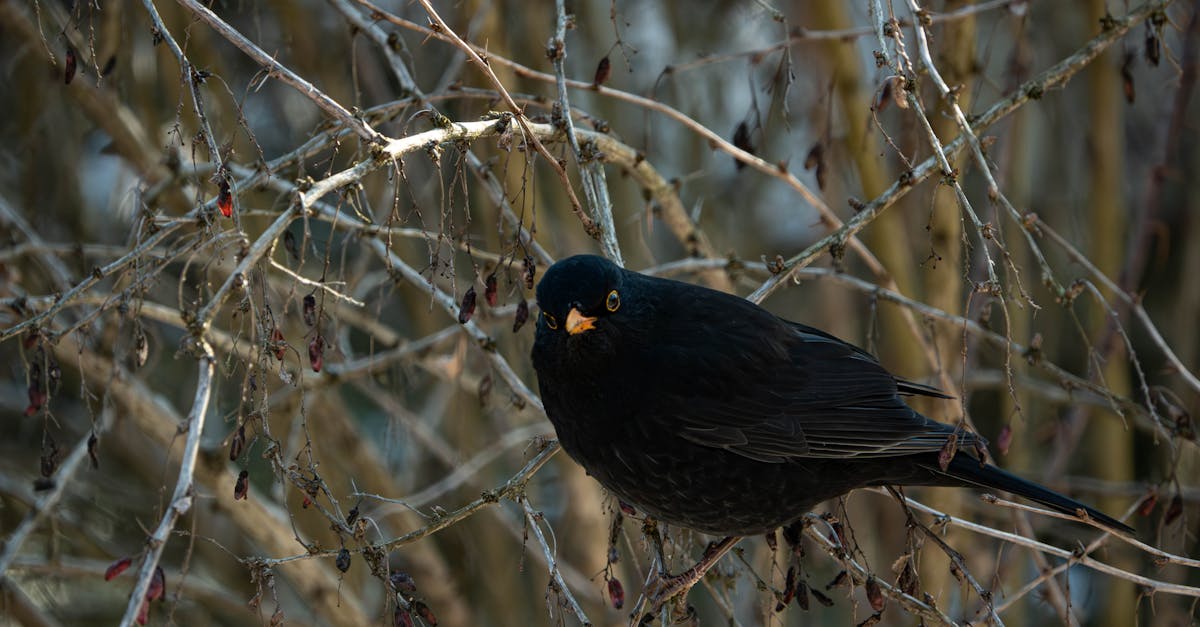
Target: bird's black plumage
{"type": "Point", "coordinates": [704, 410]}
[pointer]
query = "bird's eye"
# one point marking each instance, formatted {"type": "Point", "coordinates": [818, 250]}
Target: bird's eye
{"type": "Point", "coordinates": [550, 321]}
{"type": "Point", "coordinates": [614, 301]}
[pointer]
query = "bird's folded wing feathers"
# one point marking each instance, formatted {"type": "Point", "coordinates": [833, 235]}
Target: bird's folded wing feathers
{"type": "Point", "coordinates": [830, 400]}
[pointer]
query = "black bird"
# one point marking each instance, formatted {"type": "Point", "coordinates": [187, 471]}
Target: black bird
{"type": "Point", "coordinates": [706, 411]}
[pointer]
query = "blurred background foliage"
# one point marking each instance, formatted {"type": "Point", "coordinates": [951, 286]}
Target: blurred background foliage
{"type": "Point", "coordinates": [97, 160]}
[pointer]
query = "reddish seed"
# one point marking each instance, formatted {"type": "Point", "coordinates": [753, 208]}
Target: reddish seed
{"type": "Point", "coordinates": [616, 593]}
{"type": "Point", "coordinates": [225, 199]}
{"type": "Point", "coordinates": [467, 308]}
{"type": "Point", "coordinates": [1148, 503]}
{"type": "Point", "coordinates": [401, 618]}
{"type": "Point", "coordinates": [522, 315]}
{"type": "Point", "coordinates": [241, 487]}
{"type": "Point", "coordinates": [789, 587]}
{"type": "Point", "coordinates": [143, 612]}
{"type": "Point", "coordinates": [627, 509]}
{"type": "Point", "coordinates": [307, 501]}
{"type": "Point", "coordinates": [772, 542]}
{"type": "Point", "coordinates": [316, 352]}
{"type": "Point", "coordinates": [490, 289]}
{"type": "Point", "coordinates": [821, 598]}
{"type": "Point", "coordinates": [603, 71]}
{"type": "Point", "coordinates": [72, 64]}
{"type": "Point", "coordinates": [342, 561]}
{"type": "Point", "coordinates": [116, 568]}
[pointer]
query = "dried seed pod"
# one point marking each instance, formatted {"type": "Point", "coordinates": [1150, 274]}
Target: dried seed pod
{"type": "Point", "coordinates": [425, 613]}
{"type": "Point", "coordinates": [802, 595]}
{"type": "Point", "coordinates": [875, 594]}
{"type": "Point", "coordinates": [467, 308]}
{"type": "Point", "coordinates": [603, 71]}
{"type": "Point", "coordinates": [241, 487]}
{"type": "Point", "coordinates": [310, 310]}
{"type": "Point", "coordinates": [342, 561]}
{"type": "Point", "coordinates": [278, 343]}
{"type": "Point", "coordinates": [402, 582]}
{"type": "Point", "coordinates": [116, 568]}
{"type": "Point", "coordinates": [1004, 440]}
{"type": "Point", "coordinates": [316, 352]}
{"type": "Point", "coordinates": [1148, 502]}
{"type": "Point", "coordinates": [158, 585]}
{"type": "Point", "coordinates": [616, 593]}
{"type": "Point", "coordinates": [1174, 510]}
{"type": "Point", "coordinates": [237, 443]}
{"type": "Point", "coordinates": [949, 449]}
{"type": "Point", "coordinates": [821, 598]}
{"type": "Point", "coordinates": [225, 199]}
{"type": "Point", "coordinates": [72, 64]}
{"type": "Point", "coordinates": [490, 290]}
{"type": "Point", "coordinates": [522, 315]}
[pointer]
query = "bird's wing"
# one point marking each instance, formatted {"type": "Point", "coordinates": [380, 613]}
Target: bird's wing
{"type": "Point", "coordinates": [792, 391]}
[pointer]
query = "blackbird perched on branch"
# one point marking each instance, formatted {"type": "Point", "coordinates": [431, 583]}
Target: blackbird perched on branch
{"type": "Point", "coordinates": [706, 411]}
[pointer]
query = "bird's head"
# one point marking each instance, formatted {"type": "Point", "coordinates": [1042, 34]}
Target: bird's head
{"type": "Point", "coordinates": [577, 293]}
{"type": "Point", "coordinates": [582, 303]}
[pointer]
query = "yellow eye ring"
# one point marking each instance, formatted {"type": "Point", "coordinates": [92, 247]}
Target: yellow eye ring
{"type": "Point", "coordinates": [613, 302]}
{"type": "Point", "coordinates": [550, 321]}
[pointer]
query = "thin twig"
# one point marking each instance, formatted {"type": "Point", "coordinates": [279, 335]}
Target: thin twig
{"type": "Point", "coordinates": [182, 498]}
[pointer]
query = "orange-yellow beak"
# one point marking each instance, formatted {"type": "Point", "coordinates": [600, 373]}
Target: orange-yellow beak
{"type": "Point", "coordinates": [578, 323]}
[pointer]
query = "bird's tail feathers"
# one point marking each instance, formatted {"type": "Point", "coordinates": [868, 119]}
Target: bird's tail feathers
{"type": "Point", "coordinates": [970, 470]}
